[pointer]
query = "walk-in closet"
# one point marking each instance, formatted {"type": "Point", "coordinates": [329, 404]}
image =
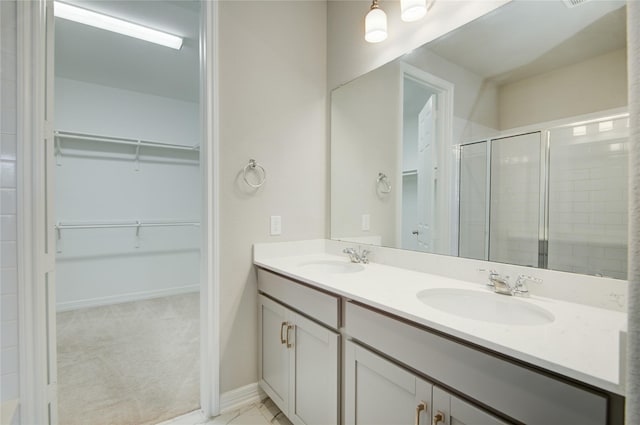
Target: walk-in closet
{"type": "Point", "coordinates": [127, 206]}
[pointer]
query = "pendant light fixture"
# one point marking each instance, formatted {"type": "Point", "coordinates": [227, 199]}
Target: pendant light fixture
{"type": "Point", "coordinates": [412, 10]}
{"type": "Point", "coordinates": [375, 24]}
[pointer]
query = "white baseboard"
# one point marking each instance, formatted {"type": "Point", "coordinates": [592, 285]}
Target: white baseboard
{"type": "Point", "coordinates": [240, 397]}
{"type": "Point", "coordinates": [191, 418]}
{"type": "Point", "coordinates": [229, 401]}
{"type": "Point", "coordinates": [133, 296]}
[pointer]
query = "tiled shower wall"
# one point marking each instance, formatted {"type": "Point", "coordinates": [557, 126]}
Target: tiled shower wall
{"type": "Point", "coordinates": [8, 229]}
{"type": "Point", "coordinates": [588, 221]}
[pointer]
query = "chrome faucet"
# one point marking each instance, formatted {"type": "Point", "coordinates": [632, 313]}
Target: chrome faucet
{"type": "Point", "coordinates": [357, 256]}
{"type": "Point", "coordinates": [500, 284]}
{"type": "Point", "coordinates": [521, 288]}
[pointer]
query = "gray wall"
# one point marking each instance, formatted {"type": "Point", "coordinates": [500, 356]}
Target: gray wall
{"type": "Point", "coordinates": [273, 103]}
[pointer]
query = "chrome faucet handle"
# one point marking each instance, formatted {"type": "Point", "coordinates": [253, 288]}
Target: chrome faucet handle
{"type": "Point", "coordinates": [492, 275]}
{"type": "Point", "coordinates": [364, 256]}
{"type": "Point", "coordinates": [353, 255]}
{"type": "Point", "coordinates": [521, 288]}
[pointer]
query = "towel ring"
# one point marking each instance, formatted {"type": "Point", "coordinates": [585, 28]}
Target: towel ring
{"type": "Point", "coordinates": [383, 181]}
{"type": "Point", "coordinates": [258, 169]}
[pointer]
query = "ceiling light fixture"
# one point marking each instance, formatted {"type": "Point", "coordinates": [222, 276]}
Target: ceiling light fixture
{"type": "Point", "coordinates": [375, 24]}
{"type": "Point", "coordinates": [109, 23]}
{"type": "Point", "coordinates": [412, 10]}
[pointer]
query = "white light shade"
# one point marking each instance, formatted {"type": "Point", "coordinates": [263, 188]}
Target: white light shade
{"type": "Point", "coordinates": [375, 26]}
{"type": "Point", "coordinates": [98, 20]}
{"type": "Point", "coordinates": [412, 10]}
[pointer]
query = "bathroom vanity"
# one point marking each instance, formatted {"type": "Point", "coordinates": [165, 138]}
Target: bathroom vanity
{"type": "Point", "coordinates": [350, 343]}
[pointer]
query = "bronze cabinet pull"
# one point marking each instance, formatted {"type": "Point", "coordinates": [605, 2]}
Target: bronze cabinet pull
{"type": "Point", "coordinates": [422, 406]}
{"type": "Point", "coordinates": [289, 327]}
{"type": "Point", "coordinates": [437, 418]}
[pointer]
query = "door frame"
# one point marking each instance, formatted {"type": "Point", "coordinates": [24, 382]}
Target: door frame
{"type": "Point", "coordinates": [444, 118]}
{"type": "Point", "coordinates": [36, 259]}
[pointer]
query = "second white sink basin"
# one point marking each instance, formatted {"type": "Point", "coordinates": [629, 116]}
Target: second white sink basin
{"type": "Point", "coordinates": [331, 266]}
{"type": "Point", "coordinates": [485, 306]}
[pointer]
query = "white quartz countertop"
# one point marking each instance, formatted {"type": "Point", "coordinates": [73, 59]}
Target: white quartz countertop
{"type": "Point", "coordinates": [582, 343]}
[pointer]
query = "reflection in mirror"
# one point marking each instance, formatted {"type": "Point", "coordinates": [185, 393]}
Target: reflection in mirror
{"type": "Point", "coordinates": [505, 140]}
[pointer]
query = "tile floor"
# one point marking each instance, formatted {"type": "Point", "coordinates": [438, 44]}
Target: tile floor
{"type": "Point", "coordinates": [261, 413]}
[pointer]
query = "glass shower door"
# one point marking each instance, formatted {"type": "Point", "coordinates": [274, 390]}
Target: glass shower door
{"type": "Point", "coordinates": [515, 199]}
{"type": "Point", "coordinates": [472, 238]}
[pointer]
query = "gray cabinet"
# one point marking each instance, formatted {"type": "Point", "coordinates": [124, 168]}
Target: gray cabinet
{"type": "Point", "coordinates": [274, 354]}
{"type": "Point", "coordinates": [514, 390]}
{"type": "Point", "coordinates": [451, 410]}
{"type": "Point", "coordinates": [298, 364]}
{"type": "Point", "coordinates": [380, 392]}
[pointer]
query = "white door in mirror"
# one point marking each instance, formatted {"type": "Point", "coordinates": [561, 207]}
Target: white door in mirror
{"type": "Point", "coordinates": [427, 166]}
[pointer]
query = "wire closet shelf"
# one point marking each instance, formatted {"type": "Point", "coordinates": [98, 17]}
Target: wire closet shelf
{"type": "Point", "coordinates": [123, 141]}
{"type": "Point", "coordinates": [137, 224]}
{"type": "Point", "coordinates": [134, 143]}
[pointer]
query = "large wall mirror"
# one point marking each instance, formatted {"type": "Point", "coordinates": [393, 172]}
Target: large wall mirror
{"type": "Point", "coordinates": [505, 140]}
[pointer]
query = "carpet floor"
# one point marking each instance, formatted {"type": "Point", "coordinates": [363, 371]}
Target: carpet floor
{"type": "Point", "coordinates": [134, 363]}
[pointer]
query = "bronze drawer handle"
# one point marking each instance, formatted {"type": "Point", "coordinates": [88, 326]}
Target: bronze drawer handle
{"type": "Point", "coordinates": [289, 345]}
{"type": "Point", "coordinates": [422, 406]}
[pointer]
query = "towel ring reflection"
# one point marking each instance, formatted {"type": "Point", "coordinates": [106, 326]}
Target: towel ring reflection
{"type": "Point", "coordinates": [256, 168]}
{"type": "Point", "coordinates": [383, 183]}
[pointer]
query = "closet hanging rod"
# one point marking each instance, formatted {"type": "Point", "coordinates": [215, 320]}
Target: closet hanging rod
{"type": "Point", "coordinates": [124, 141]}
{"type": "Point", "coordinates": [61, 226]}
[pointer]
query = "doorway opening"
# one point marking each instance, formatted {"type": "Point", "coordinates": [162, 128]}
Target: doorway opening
{"type": "Point", "coordinates": [128, 202]}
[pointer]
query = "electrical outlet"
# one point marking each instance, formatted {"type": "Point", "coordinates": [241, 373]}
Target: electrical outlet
{"type": "Point", "coordinates": [276, 225]}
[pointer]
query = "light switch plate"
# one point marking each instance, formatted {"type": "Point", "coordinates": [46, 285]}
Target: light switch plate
{"type": "Point", "coordinates": [366, 222]}
{"type": "Point", "coordinates": [276, 225]}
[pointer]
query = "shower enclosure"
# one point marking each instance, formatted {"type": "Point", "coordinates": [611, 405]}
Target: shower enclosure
{"type": "Point", "coordinates": [552, 199]}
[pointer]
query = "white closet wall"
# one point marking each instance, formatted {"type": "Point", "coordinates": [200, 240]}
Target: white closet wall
{"type": "Point", "coordinates": [101, 182]}
{"type": "Point", "coordinates": [91, 108]}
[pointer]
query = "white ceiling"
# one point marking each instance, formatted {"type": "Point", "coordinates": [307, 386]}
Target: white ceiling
{"type": "Point", "coordinates": [102, 57]}
{"type": "Point", "coordinates": [525, 38]}
{"type": "Point", "coordinates": [520, 39]}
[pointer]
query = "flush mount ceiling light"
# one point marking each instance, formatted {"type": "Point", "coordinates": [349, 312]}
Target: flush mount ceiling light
{"type": "Point", "coordinates": [375, 24]}
{"type": "Point", "coordinates": [412, 10]}
{"type": "Point", "coordinates": [109, 23]}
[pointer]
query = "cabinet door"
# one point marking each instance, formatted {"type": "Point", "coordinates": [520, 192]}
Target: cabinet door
{"type": "Point", "coordinates": [454, 411]}
{"type": "Point", "coordinates": [273, 355]}
{"type": "Point", "coordinates": [314, 373]}
{"type": "Point", "coordinates": [380, 392]}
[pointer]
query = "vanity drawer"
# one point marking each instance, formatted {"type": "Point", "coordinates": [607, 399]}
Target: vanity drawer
{"type": "Point", "coordinates": [318, 305]}
{"type": "Point", "coordinates": [515, 390]}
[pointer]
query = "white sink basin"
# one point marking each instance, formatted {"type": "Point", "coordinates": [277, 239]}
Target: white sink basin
{"type": "Point", "coordinates": [331, 266]}
{"type": "Point", "coordinates": [485, 306]}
